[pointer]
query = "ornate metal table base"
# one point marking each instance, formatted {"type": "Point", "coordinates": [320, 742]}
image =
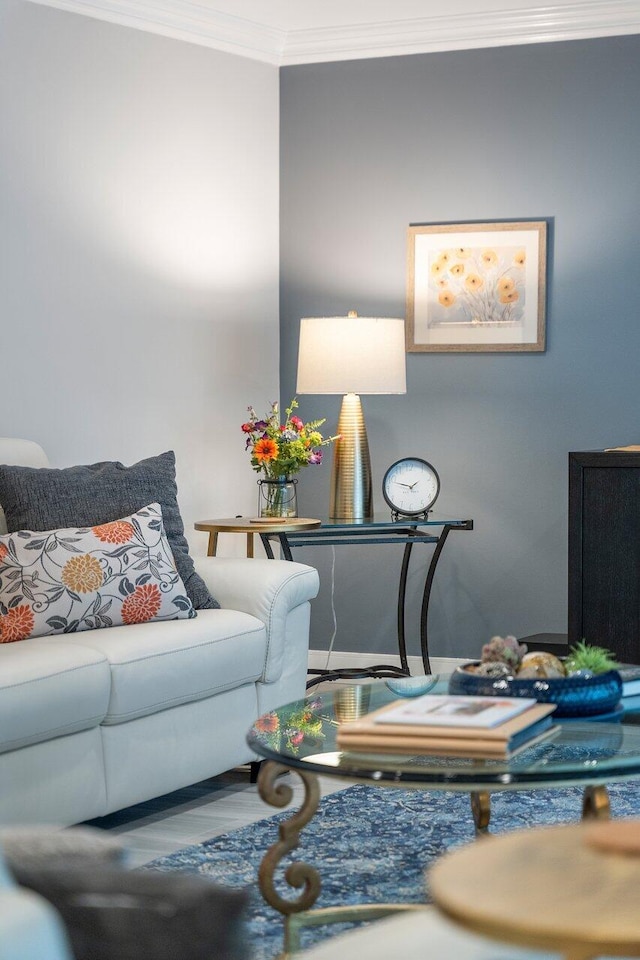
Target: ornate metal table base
{"type": "Point", "coordinates": [595, 806]}
{"type": "Point", "coordinates": [297, 910]}
{"type": "Point", "coordinates": [298, 874]}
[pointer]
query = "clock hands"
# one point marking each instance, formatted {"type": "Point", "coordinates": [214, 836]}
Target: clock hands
{"type": "Point", "coordinates": [409, 485]}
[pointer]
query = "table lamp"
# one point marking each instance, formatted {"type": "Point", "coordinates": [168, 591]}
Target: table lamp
{"type": "Point", "coordinates": [351, 355]}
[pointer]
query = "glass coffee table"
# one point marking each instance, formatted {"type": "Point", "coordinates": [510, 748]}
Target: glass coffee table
{"type": "Point", "coordinates": [301, 737]}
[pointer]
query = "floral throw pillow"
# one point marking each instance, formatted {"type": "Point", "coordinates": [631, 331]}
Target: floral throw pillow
{"type": "Point", "coordinates": [64, 581]}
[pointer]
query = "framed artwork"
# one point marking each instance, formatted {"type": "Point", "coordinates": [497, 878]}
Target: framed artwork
{"type": "Point", "coordinates": [476, 287]}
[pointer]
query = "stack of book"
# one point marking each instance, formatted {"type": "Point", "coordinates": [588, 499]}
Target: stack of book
{"type": "Point", "coordinates": [479, 727]}
{"type": "Point", "coordinates": [630, 674]}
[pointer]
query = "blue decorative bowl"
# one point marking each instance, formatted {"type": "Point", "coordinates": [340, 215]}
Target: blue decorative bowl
{"type": "Point", "coordinates": [574, 696]}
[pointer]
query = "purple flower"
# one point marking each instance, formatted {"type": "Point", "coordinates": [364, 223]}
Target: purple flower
{"type": "Point", "coordinates": [316, 457]}
{"type": "Point", "coordinates": [260, 425]}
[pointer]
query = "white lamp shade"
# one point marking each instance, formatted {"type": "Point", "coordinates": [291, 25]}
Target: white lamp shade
{"type": "Point", "coordinates": [351, 355]}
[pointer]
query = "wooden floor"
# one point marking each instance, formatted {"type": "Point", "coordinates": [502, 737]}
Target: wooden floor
{"type": "Point", "coordinates": [197, 813]}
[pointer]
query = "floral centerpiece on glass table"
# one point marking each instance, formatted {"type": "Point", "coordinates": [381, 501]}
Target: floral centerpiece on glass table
{"type": "Point", "coordinates": [280, 450]}
{"type": "Point", "coordinates": [288, 729]}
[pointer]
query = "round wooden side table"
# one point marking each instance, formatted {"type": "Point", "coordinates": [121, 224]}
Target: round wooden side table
{"type": "Point", "coordinates": [251, 525]}
{"type": "Point", "coordinates": [550, 887]}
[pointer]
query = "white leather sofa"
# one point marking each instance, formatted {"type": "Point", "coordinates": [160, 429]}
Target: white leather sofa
{"type": "Point", "coordinates": [29, 925]}
{"type": "Point", "coordinates": [96, 721]}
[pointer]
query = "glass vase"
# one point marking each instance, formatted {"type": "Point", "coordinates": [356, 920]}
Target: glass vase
{"type": "Point", "coordinates": [277, 498]}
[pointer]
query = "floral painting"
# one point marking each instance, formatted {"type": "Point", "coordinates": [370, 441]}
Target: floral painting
{"type": "Point", "coordinates": [476, 286]}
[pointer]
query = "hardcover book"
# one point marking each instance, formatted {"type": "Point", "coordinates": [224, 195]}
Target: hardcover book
{"type": "Point", "coordinates": [368, 734]}
{"type": "Point", "coordinates": [451, 711]}
{"type": "Point", "coordinates": [476, 749]}
{"type": "Point", "coordinates": [630, 674]}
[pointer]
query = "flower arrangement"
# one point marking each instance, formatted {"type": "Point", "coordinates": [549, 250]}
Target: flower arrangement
{"type": "Point", "coordinates": [288, 731]}
{"type": "Point", "coordinates": [280, 450]}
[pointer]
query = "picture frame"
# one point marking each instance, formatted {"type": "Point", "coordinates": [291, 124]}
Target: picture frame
{"type": "Point", "coordinates": [477, 287]}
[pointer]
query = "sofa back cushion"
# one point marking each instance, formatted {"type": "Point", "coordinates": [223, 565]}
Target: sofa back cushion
{"type": "Point", "coordinates": [82, 496]}
{"type": "Point", "coordinates": [23, 453]}
{"type": "Point", "coordinates": [64, 581]}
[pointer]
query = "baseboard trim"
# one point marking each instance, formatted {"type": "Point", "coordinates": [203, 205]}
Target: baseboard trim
{"type": "Point", "coordinates": [347, 660]}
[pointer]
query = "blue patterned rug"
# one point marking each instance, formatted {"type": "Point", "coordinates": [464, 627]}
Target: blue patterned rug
{"type": "Point", "coordinates": [372, 845]}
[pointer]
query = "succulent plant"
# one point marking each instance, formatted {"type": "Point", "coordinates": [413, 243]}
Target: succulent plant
{"type": "Point", "coordinates": [504, 650]}
{"type": "Point", "coordinates": [585, 656]}
{"type": "Point", "coordinates": [493, 668]}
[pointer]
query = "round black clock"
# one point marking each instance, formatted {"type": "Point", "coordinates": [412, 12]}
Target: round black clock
{"type": "Point", "coordinates": [410, 486]}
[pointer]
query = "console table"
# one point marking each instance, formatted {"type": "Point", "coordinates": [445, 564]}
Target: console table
{"type": "Point", "coordinates": [409, 532]}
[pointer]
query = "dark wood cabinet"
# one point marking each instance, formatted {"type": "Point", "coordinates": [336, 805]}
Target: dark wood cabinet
{"type": "Point", "coordinates": [604, 551]}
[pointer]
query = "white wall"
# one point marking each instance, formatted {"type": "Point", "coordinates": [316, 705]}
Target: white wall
{"type": "Point", "coordinates": [138, 250]}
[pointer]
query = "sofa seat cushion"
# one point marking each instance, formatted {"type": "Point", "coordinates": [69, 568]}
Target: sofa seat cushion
{"type": "Point", "coordinates": [49, 688]}
{"type": "Point", "coordinates": [158, 666]}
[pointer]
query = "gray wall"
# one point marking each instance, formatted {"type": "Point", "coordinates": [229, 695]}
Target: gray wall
{"type": "Point", "coordinates": [139, 249]}
{"type": "Point", "coordinates": [367, 147]}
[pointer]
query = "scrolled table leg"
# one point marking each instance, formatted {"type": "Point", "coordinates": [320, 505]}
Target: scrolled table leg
{"type": "Point", "coordinates": [298, 874]}
{"type": "Point", "coordinates": [595, 803]}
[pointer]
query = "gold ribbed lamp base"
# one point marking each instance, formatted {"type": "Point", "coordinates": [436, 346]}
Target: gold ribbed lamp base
{"type": "Point", "coordinates": [351, 469]}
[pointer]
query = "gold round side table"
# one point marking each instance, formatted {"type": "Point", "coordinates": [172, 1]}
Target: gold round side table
{"type": "Point", "coordinates": [549, 888]}
{"type": "Point", "coordinates": [250, 526]}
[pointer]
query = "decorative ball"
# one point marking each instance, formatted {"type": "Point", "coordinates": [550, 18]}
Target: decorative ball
{"type": "Point", "coordinates": [541, 664]}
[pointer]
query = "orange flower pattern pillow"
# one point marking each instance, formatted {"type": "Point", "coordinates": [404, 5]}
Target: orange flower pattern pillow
{"type": "Point", "coordinates": [64, 581]}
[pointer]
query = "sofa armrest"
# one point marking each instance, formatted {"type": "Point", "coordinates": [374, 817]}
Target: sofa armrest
{"type": "Point", "coordinates": [268, 590]}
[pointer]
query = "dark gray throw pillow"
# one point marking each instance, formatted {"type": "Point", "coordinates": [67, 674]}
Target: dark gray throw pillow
{"type": "Point", "coordinates": [45, 498]}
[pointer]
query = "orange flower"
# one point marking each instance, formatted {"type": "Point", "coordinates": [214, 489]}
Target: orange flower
{"type": "Point", "coordinates": [117, 532]}
{"type": "Point", "coordinates": [446, 298]}
{"type": "Point", "coordinates": [457, 269]}
{"type": "Point", "coordinates": [265, 449]}
{"type": "Point", "coordinates": [489, 258]}
{"type": "Point", "coordinates": [462, 252]}
{"type": "Point", "coordinates": [442, 283]}
{"type": "Point", "coordinates": [510, 296]}
{"type": "Point", "coordinates": [4, 550]}
{"type": "Point", "coordinates": [438, 267]}
{"type": "Point", "coordinates": [520, 258]}
{"type": "Point", "coordinates": [505, 285]}
{"type": "Point", "coordinates": [82, 574]}
{"type": "Point", "coordinates": [268, 724]}
{"type": "Point", "coordinates": [17, 624]}
{"type": "Point", "coordinates": [142, 604]}
{"type": "Point", "coordinates": [474, 282]}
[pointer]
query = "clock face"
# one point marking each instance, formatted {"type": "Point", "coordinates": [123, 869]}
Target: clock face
{"type": "Point", "coordinates": [410, 486]}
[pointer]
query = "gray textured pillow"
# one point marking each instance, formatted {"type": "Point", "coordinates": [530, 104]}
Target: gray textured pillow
{"type": "Point", "coordinates": [44, 498]}
{"type": "Point", "coordinates": [114, 914]}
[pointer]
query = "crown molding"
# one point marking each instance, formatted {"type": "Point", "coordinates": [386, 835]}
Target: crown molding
{"type": "Point", "coordinates": [592, 18]}
{"type": "Point", "coordinates": [199, 23]}
{"type": "Point", "coordinates": [185, 20]}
